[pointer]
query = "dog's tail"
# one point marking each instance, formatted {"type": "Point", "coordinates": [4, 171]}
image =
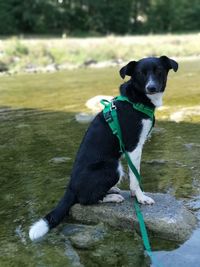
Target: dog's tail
{"type": "Point", "coordinates": [52, 219]}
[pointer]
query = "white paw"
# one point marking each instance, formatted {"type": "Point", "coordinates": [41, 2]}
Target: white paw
{"type": "Point", "coordinates": [114, 190]}
{"type": "Point", "coordinates": [143, 199]}
{"type": "Point", "coordinates": [113, 198]}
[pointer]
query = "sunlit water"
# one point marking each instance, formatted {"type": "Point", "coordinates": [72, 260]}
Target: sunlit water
{"type": "Point", "coordinates": [37, 125]}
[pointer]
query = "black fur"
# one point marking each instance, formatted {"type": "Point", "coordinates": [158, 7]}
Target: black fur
{"type": "Point", "coordinates": [95, 167]}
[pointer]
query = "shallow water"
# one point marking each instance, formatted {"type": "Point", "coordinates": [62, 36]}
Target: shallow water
{"type": "Point", "coordinates": [37, 125]}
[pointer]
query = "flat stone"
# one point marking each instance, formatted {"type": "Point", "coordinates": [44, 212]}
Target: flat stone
{"type": "Point", "coordinates": [58, 160]}
{"type": "Point", "coordinates": [84, 236]}
{"type": "Point", "coordinates": [168, 218]}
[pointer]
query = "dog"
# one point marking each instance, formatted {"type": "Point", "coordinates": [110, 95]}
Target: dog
{"type": "Point", "coordinates": [97, 168]}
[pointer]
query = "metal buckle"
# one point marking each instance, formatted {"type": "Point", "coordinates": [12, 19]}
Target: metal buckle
{"type": "Point", "coordinates": [108, 116]}
{"type": "Point", "coordinates": [112, 106]}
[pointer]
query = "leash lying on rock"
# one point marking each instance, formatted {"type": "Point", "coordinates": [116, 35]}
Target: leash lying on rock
{"type": "Point", "coordinates": [110, 115]}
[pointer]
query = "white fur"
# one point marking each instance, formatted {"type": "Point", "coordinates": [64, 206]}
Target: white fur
{"type": "Point", "coordinates": [114, 190]}
{"type": "Point", "coordinates": [135, 156]}
{"type": "Point", "coordinates": [156, 99]}
{"type": "Point", "coordinates": [113, 198]}
{"type": "Point", "coordinates": [150, 83]}
{"type": "Point", "coordinates": [120, 171]}
{"type": "Point", "coordinates": [38, 229]}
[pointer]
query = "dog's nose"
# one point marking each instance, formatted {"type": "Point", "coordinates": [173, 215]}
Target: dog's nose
{"type": "Point", "coordinates": [151, 89]}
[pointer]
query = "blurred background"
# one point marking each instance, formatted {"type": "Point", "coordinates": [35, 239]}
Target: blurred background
{"type": "Point", "coordinates": [41, 33]}
{"type": "Point", "coordinates": [100, 17]}
{"type": "Point", "coordinates": [57, 59]}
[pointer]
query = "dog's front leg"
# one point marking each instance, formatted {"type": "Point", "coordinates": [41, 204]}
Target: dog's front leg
{"type": "Point", "coordinates": [134, 185]}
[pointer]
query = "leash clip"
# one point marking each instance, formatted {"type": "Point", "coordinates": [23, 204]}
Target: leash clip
{"type": "Point", "coordinates": [112, 106]}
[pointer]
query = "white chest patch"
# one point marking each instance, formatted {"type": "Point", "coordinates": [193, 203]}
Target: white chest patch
{"type": "Point", "coordinates": [146, 127]}
{"type": "Point", "coordinates": [137, 152]}
{"type": "Point", "coordinates": [156, 99]}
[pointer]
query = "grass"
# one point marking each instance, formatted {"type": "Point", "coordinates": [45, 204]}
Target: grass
{"type": "Point", "coordinates": [19, 53]}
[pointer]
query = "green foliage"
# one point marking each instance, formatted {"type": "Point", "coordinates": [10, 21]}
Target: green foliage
{"type": "Point", "coordinates": [99, 17]}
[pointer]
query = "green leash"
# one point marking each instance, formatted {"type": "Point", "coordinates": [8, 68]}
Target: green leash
{"type": "Point", "coordinates": [110, 115]}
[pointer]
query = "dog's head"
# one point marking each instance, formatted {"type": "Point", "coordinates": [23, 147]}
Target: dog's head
{"type": "Point", "coordinates": [149, 75]}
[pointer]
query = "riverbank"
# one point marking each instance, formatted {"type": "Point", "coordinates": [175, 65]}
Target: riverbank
{"type": "Point", "coordinates": [35, 55]}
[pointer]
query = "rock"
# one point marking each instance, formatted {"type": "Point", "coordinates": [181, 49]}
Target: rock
{"type": "Point", "coordinates": [51, 68]}
{"type": "Point", "coordinates": [72, 255]}
{"type": "Point", "coordinates": [58, 160]}
{"type": "Point", "coordinates": [194, 204]}
{"type": "Point", "coordinates": [120, 249]}
{"type": "Point", "coordinates": [191, 145]}
{"type": "Point", "coordinates": [185, 113]}
{"type": "Point", "coordinates": [89, 62]}
{"type": "Point", "coordinates": [84, 117]}
{"type": "Point", "coordinates": [167, 218]}
{"type": "Point", "coordinates": [94, 102]}
{"type": "Point", "coordinates": [95, 243]}
{"type": "Point", "coordinates": [156, 161]}
{"type": "Point", "coordinates": [85, 236]}
{"type": "Point", "coordinates": [158, 130]}
{"type": "Point", "coordinates": [3, 67]}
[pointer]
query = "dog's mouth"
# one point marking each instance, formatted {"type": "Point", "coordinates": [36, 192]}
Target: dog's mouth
{"type": "Point", "coordinates": [151, 93]}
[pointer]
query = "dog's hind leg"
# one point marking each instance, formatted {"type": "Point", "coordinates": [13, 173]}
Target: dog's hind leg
{"type": "Point", "coordinates": [116, 198]}
{"type": "Point", "coordinates": [115, 189]}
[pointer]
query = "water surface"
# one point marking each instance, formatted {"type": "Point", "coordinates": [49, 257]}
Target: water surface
{"type": "Point", "coordinates": [37, 124]}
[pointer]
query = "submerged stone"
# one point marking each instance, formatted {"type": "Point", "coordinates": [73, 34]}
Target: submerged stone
{"type": "Point", "coordinates": [72, 255]}
{"type": "Point", "coordinates": [84, 117]}
{"type": "Point", "coordinates": [59, 160]}
{"type": "Point", "coordinates": [98, 245]}
{"type": "Point", "coordinates": [85, 236]}
{"type": "Point", "coordinates": [167, 218]}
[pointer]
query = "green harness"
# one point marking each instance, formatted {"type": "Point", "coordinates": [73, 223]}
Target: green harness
{"type": "Point", "coordinates": [110, 115]}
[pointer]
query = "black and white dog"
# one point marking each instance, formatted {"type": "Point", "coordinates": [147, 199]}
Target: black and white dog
{"type": "Point", "coordinates": [97, 168]}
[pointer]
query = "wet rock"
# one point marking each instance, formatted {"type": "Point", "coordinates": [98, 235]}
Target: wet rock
{"type": "Point", "coordinates": [167, 218]}
{"type": "Point", "coordinates": [120, 249]}
{"type": "Point", "coordinates": [21, 234]}
{"type": "Point", "coordinates": [156, 161]}
{"type": "Point", "coordinates": [191, 145]}
{"type": "Point", "coordinates": [22, 125]}
{"type": "Point", "coordinates": [58, 160]}
{"type": "Point", "coordinates": [84, 117]}
{"type": "Point", "coordinates": [85, 236]}
{"type": "Point", "coordinates": [51, 68]}
{"type": "Point", "coordinates": [89, 62]}
{"type": "Point", "coordinates": [194, 204]}
{"type": "Point", "coordinates": [94, 102]}
{"type": "Point", "coordinates": [185, 113]}
{"type": "Point", "coordinates": [72, 255]}
{"type": "Point", "coordinates": [157, 130]}
{"type": "Point", "coordinates": [3, 67]}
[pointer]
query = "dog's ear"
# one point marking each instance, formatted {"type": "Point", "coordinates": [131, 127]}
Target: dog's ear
{"type": "Point", "coordinates": [128, 69]}
{"type": "Point", "coordinates": [169, 63]}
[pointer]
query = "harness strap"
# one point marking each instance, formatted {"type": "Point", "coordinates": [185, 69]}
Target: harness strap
{"type": "Point", "coordinates": [110, 115]}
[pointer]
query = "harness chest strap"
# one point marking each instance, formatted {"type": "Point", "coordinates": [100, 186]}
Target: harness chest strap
{"type": "Point", "coordinates": [110, 115]}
